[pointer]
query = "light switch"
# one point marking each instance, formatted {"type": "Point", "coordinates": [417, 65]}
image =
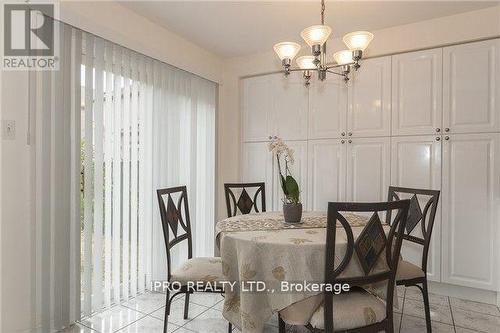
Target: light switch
{"type": "Point", "coordinates": [8, 129]}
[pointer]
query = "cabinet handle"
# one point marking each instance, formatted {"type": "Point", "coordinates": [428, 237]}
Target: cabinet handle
{"type": "Point", "coordinates": [270, 137]}
{"type": "Point", "coordinates": [350, 141]}
{"type": "Point", "coordinates": [343, 133]}
{"type": "Point", "coordinates": [438, 138]}
{"type": "Point", "coordinates": [438, 130]}
{"type": "Point", "coordinates": [447, 138]}
{"type": "Point", "coordinates": [446, 129]}
{"type": "Point", "coordinates": [350, 134]}
{"type": "Point", "coordinates": [342, 141]}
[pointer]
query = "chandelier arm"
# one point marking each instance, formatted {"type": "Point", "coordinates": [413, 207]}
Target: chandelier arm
{"type": "Point", "coordinates": [337, 66]}
{"type": "Point", "coordinates": [336, 73]}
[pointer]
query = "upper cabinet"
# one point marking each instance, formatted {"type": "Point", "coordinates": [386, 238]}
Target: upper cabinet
{"type": "Point", "coordinates": [274, 105]}
{"type": "Point", "coordinates": [417, 93]}
{"type": "Point", "coordinates": [369, 110]}
{"type": "Point", "coordinates": [327, 108]}
{"type": "Point", "coordinates": [257, 106]}
{"type": "Point", "coordinates": [471, 88]}
{"type": "Point", "coordinates": [290, 107]}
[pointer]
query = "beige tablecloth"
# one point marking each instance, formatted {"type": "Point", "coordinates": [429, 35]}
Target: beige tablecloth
{"type": "Point", "coordinates": [264, 248]}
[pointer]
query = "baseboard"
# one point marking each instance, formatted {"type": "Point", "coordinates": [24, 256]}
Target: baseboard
{"type": "Point", "coordinates": [473, 294]}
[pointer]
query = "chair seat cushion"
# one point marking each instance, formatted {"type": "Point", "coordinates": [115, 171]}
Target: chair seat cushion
{"type": "Point", "coordinates": [205, 269]}
{"type": "Point", "coordinates": [407, 271]}
{"type": "Point", "coordinates": [353, 309]}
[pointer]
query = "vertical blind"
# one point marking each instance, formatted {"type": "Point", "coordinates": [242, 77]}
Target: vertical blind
{"type": "Point", "coordinates": [112, 126]}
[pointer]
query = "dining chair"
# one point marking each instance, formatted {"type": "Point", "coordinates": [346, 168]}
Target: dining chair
{"type": "Point", "coordinates": [377, 253]}
{"type": "Point", "coordinates": [245, 203]}
{"type": "Point", "coordinates": [409, 274]}
{"type": "Point", "coordinates": [176, 225]}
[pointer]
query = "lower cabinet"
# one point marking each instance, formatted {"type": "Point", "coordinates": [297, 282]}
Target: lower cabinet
{"type": "Point", "coordinates": [368, 169]}
{"type": "Point", "coordinates": [257, 166]}
{"type": "Point", "coordinates": [416, 163]}
{"type": "Point", "coordinates": [327, 172]}
{"type": "Point", "coordinates": [471, 210]}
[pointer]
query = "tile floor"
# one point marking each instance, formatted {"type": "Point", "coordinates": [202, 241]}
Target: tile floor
{"type": "Point", "coordinates": [144, 314]}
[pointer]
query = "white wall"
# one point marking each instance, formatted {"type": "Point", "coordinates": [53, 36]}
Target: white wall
{"type": "Point", "coordinates": [426, 34]}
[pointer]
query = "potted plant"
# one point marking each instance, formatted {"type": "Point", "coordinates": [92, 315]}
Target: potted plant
{"type": "Point", "coordinates": [292, 207]}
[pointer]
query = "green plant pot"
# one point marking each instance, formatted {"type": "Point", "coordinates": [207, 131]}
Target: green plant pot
{"type": "Point", "coordinates": [292, 212]}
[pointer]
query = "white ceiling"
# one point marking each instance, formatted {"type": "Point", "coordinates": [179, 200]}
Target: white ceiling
{"type": "Point", "coordinates": [241, 28]}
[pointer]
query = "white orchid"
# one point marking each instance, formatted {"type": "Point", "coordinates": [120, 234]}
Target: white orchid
{"type": "Point", "coordinates": [285, 154]}
{"type": "Point", "coordinates": [279, 147]}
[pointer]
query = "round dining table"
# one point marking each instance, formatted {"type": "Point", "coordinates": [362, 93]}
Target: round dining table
{"type": "Point", "coordinates": [287, 259]}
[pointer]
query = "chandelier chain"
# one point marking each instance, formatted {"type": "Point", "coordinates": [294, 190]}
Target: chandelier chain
{"type": "Point", "coordinates": [322, 12]}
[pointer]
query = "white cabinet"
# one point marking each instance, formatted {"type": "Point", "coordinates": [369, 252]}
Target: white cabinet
{"type": "Point", "coordinates": [368, 169]}
{"type": "Point", "coordinates": [257, 166]}
{"type": "Point", "coordinates": [416, 163]}
{"type": "Point", "coordinates": [327, 172]}
{"type": "Point", "coordinates": [471, 89]}
{"type": "Point", "coordinates": [298, 170]}
{"type": "Point", "coordinates": [470, 206]}
{"type": "Point", "coordinates": [369, 94]}
{"type": "Point", "coordinates": [417, 93]}
{"type": "Point", "coordinates": [290, 108]}
{"type": "Point", "coordinates": [327, 108]}
{"type": "Point", "coordinates": [274, 105]}
{"type": "Point", "coordinates": [257, 108]}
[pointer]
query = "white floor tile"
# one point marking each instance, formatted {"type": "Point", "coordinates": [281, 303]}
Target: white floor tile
{"type": "Point", "coordinates": [113, 319]}
{"type": "Point", "coordinates": [206, 299]}
{"type": "Point", "coordinates": [210, 321]}
{"type": "Point", "coordinates": [416, 294]}
{"type": "Point", "coordinates": [465, 330]}
{"type": "Point", "coordinates": [439, 313]}
{"type": "Point", "coordinates": [476, 321]}
{"type": "Point", "coordinates": [474, 306]}
{"type": "Point", "coordinates": [147, 302]}
{"type": "Point", "coordinates": [177, 312]}
{"type": "Point", "coordinates": [412, 324]}
{"type": "Point", "coordinates": [148, 324]}
{"type": "Point", "coordinates": [77, 328]}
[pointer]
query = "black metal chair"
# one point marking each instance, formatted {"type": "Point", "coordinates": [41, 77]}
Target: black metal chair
{"type": "Point", "coordinates": [175, 219]}
{"type": "Point", "coordinates": [245, 203]}
{"type": "Point", "coordinates": [409, 274]}
{"type": "Point", "coordinates": [358, 310]}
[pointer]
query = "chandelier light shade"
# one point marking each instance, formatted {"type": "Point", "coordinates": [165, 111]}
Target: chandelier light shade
{"type": "Point", "coordinates": [343, 57]}
{"type": "Point", "coordinates": [358, 40]}
{"type": "Point", "coordinates": [316, 34]}
{"type": "Point", "coordinates": [306, 62]}
{"type": "Point", "coordinates": [286, 50]}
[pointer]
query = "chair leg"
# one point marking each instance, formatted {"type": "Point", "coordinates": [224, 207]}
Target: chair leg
{"type": "Point", "coordinates": [229, 328]}
{"type": "Point", "coordinates": [167, 312]}
{"type": "Point", "coordinates": [186, 305]}
{"type": "Point", "coordinates": [281, 324]}
{"type": "Point", "coordinates": [425, 294]}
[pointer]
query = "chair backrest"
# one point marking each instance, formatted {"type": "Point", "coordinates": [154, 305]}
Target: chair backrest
{"type": "Point", "coordinates": [417, 216]}
{"type": "Point", "coordinates": [175, 219]}
{"type": "Point", "coordinates": [246, 203]}
{"type": "Point", "coordinates": [377, 252]}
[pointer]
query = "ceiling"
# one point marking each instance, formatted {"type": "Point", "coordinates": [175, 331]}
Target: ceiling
{"type": "Point", "coordinates": [232, 29]}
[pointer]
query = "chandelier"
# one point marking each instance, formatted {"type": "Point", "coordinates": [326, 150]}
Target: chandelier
{"type": "Point", "coordinates": [316, 36]}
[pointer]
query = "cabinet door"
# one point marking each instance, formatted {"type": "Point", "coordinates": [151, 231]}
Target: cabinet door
{"type": "Point", "coordinates": [327, 172]}
{"type": "Point", "coordinates": [416, 163]}
{"type": "Point", "coordinates": [417, 92]}
{"type": "Point", "coordinates": [471, 195]}
{"type": "Point", "coordinates": [327, 108]}
{"type": "Point", "coordinates": [298, 171]}
{"type": "Point", "coordinates": [257, 166]}
{"type": "Point", "coordinates": [368, 169]}
{"type": "Point", "coordinates": [369, 112]}
{"type": "Point", "coordinates": [471, 90]}
{"type": "Point", "coordinates": [290, 107]}
{"type": "Point", "coordinates": [257, 106]}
